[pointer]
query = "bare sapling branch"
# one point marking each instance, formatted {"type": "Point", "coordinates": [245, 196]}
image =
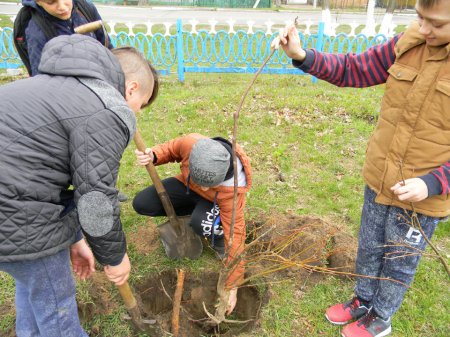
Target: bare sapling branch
{"type": "Point", "coordinates": [177, 303]}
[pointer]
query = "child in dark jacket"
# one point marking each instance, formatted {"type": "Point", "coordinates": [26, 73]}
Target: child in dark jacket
{"type": "Point", "coordinates": [65, 17]}
{"type": "Point", "coordinates": [71, 129]}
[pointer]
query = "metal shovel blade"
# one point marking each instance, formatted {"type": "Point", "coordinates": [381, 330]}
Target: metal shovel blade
{"type": "Point", "coordinates": [177, 245]}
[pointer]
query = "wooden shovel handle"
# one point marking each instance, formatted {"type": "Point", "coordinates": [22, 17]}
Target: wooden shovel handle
{"type": "Point", "coordinates": [165, 200]}
{"type": "Point", "coordinates": [89, 27]}
{"type": "Point", "coordinates": [127, 296]}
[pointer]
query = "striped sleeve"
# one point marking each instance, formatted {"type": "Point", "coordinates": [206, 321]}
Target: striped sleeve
{"type": "Point", "coordinates": [443, 175]}
{"type": "Point", "coordinates": [351, 70]}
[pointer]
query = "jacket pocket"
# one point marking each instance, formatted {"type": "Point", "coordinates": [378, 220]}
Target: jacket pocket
{"type": "Point", "coordinates": [443, 86]}
{"type": "Point", "coordinates": [402, 73]}
{"type": "Point", "coordinates": [398, 85]}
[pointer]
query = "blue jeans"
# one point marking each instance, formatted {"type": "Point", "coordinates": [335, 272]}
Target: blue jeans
{"type": "Point", "coordinates": [387, 225]}
{"type": "Point", "coordinates": [45, 297]}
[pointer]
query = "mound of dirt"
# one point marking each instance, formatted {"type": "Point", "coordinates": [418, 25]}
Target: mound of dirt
{"type": "Point", "coordinates": [300, 246]}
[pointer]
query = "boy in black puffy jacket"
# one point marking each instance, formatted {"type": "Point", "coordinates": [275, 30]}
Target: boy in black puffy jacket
{"type": "Point", "coordinates": [67, 126]}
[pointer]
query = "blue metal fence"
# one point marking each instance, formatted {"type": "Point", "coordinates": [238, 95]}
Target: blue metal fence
{"type": "Point", "coordinates": [221, 51]}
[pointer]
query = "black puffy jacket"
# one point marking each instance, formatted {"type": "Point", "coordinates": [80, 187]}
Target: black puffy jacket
{"type": "Point", "coordinates": [67, 126]}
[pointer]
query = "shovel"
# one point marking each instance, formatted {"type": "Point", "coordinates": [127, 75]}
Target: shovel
{"type": "Point", "coordinates": [144, 325]}
{"type": "Point", "coordinates": [178, 238]}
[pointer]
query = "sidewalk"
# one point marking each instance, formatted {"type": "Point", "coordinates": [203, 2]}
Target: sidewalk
{"type": "Point", "coordinates": [283, 8]}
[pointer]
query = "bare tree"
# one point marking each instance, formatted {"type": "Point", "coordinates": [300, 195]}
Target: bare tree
{"type": "Point", "coordinates": [386, 24]}
{"type": "Point", "coordinates": [369, 30]}
{"type": "Point", "coordinates": [391, 6]}
{"type": "Point", "coordinates": [326, 16]}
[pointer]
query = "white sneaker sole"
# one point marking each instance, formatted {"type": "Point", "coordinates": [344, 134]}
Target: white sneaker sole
{"type": "Point", "coordinates": [335, 323]}
{"type": "Point", "coordinates": [384, 333]}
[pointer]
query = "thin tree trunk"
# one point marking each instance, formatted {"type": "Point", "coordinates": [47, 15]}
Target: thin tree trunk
{"type": "Point", "coordinates": [177, 303]}
{"type": "Point", "coordinates": [391, 6]}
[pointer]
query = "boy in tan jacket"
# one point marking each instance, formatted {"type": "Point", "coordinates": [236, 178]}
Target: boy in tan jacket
{"type": "Point", "coordinates": [407, 164]}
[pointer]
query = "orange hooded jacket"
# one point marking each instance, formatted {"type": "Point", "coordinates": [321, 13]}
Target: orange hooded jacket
{"type": "Point", "coordinates": [178, 150]}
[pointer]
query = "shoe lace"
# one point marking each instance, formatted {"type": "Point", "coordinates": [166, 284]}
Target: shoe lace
{"type": "Point", "coordinates": [353, 304]}
{"type": "Point", "coordinates": [368, 319]}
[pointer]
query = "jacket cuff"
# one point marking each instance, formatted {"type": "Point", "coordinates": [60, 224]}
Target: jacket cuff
{"type": "Point", "coordinates": [114, 263]}
{"type": "Point", "coordinates": [307, 63]}
{"type": "Point", "coordinates": [433, 184]}
{"type": "Point", "coordinates": [78, 236]}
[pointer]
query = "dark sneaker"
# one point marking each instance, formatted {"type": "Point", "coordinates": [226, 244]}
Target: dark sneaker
{"type": "Point", "coordinates": [219, 248]}
{"type": "Point", "coordinates": [343, 313]}
{"type": "Point", "coordinates": [122, 197]}
{"type": "Point", "coordinates": [220, 252]}
{"type": "Point", "coordinates": [369, 325]}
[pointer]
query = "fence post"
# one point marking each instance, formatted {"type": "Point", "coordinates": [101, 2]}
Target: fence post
{"type": "Point", "coordinates": [320, 42]}
{"type": "Point", "coordinates": [180, 51]}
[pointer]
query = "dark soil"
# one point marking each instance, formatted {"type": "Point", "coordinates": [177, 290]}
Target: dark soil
{"type": "Point", "coordinates": [156, 294]}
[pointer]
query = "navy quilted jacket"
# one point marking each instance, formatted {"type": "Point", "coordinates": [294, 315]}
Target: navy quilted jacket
{"type": "Point", "coordinates": [36, 38]}
{"type": "Point", "coordinates": [62, 135]}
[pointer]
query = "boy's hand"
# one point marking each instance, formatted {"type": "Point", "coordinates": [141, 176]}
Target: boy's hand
{"type": "Point", "coordinates": [290, 42]}
{"type": "Point", "coordinates": [82, 259]}
{"type": "Point", "coordinates": [119, 274]}
{"type": "Point", "coordinates": [232, 300]}
{"type": "Point", "coordinates": [413, 190]}
{"type": "Point", "coordinates": [144, 158]}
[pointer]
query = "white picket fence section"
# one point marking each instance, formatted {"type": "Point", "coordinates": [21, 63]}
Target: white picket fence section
{"type": "Point", "coordinates": [387, 27]}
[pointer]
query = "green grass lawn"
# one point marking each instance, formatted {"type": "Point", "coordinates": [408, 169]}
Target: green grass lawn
{"type": "Point", "coordinates": [315, 135]}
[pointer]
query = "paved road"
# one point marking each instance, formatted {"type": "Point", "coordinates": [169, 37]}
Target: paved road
{"type": "Point", "coordinates": [168, 14]}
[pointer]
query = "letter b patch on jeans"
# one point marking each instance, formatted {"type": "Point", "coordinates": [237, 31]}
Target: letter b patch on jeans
{"type": "Point", "coordinates": [413, 237]}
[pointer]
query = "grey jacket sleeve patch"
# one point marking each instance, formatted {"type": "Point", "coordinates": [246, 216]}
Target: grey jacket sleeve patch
{"type": "Point", "coordinates": [95, 212]}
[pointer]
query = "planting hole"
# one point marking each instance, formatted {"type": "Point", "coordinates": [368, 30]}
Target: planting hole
{"type": "Point", "coordinates": [198, 289]}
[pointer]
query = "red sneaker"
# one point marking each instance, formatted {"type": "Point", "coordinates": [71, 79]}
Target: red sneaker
{"type": "Point", "coordinates": [343, 313]}
{"type": "Point", "coordinates": [368, 326]}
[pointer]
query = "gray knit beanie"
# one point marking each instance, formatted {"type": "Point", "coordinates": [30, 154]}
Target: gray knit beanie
{"type": "Point", "coordinates": [209, 162]}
